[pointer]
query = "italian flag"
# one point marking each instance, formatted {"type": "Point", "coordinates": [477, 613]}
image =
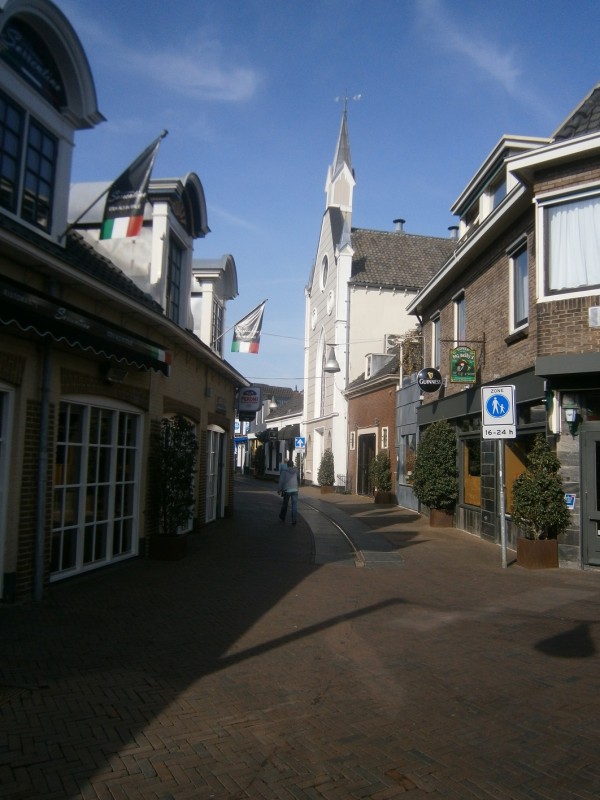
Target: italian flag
{"type": "Point", "coordinates": [124, 208]}
{"type": "Point", "coordinates": [246, 334]}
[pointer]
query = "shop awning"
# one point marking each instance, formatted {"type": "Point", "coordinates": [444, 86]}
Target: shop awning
{"type": "Point", "coordinates": [289, 432]}
{"type": "Point", "coordinates": [47, 316]}
{"type": "Point", "coordinates": [240, 440]}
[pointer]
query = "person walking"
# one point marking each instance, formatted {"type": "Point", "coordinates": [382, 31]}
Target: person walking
{"type": "Point", "coordinates": [288, 488]}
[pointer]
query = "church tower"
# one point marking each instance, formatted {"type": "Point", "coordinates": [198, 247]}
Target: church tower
{"type": "Point", "coordinates": [326, 318]}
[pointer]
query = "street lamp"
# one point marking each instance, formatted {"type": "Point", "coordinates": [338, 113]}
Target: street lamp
{"type": "Point", "coordinates": [331, 365]}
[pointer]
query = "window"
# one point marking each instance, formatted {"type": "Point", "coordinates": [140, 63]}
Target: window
{"type": "Point", "coordinates": [174, 274]}
{"type": "Point", "coordinates": [384, 439]}
{"type": "Point", "coordinates": [28, 156]}
{"type": "Point", "coordinates": [352, 440]}
{"type": "Point", "coordinates": [459, 319]}
{"type": "Point", "coordinates": [571, 244]}
{"type": "Point", "coordinates": [216, 336]}
{"type": "Point", "coordinates": [324, 272]}
{"type": "Point", "coordinates": [519, 278]}
{"type": "Point", "coordinates": [436, 342]}
{"type": "Point", "coordinates": [407, 456]}
{"type": "Point", "coordinates": [95, 488]}
{"type": "Point", "coordinates": [497, 190]}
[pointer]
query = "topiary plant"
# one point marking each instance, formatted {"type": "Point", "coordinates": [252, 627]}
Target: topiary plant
{"type": "Point", "coordinates": [538, 500]}
{"type": "Point", "coordinates": [380, 472]}
{"type": "Point", "coordinates": [326, 473]}
{"type": "Point", "coordinates": [435, 476]}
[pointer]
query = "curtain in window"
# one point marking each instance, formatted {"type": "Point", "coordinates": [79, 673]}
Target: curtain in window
{"type": "Point", "coordinates": [574, 244]}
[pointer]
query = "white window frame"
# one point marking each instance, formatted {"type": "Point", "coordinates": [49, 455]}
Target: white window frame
{"type": "Point", "coordinates": [515, 251]}
{"type": "Point", "coordinates": [436, 344]}
{"type": "Point", "coordinates": [460, 321]}
{"type": "Point", "coordinates": [82, 487]}
{"type": "Point", "coordinates": [544, 202]}
{"type": "Point", "coordinates": [385, 439]}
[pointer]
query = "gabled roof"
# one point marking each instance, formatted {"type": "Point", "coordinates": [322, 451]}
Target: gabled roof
{"type": "Point", "coordinates": [585, 119]}
{"type": "Point", "coordinates": [397, 260]}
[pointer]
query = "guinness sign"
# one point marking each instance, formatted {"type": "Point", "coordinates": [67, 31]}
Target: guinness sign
{"type": "Point", "coordinates": [429, 379]}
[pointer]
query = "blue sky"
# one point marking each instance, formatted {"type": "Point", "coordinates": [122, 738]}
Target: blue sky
{"type": "Point", "coordinates": [247, 90]}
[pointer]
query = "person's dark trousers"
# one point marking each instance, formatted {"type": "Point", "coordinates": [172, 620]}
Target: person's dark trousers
{"type": "Point", "coordinates": [284, 506]}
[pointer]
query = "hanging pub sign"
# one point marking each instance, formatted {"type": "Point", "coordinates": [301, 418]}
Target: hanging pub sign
{"type": "Point", "coordinates": [429, 379]}
{"type": "Point", "coordinates": [463, 367]}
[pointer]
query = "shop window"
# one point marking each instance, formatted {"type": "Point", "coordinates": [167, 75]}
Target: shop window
{"type": "Point", "coordinates": [472, 472]}
{"type": "Point", "coordinates": [515, 462]}
{"type": "Point", "coordinates": [95, 488]}
{"type": "Point", "coordinates": [407, 455]}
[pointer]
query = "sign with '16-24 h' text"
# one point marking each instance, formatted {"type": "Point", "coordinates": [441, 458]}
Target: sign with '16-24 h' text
{"type": "Point", "coordinates": [499, 414]}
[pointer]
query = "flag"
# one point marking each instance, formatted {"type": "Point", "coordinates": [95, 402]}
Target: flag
{"type": "Point", "coordinates": [246, 333]}
{"type": "Point", "coordinates": [124, 208]}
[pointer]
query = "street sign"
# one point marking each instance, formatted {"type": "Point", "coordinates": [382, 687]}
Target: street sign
{"type": "Point", "coordinates": [300, 443]}
{"type": "Point", "coordinates": [498, 409]}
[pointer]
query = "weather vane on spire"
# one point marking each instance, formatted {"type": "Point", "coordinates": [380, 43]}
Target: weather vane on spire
{"type": "Point", "coordinates": [345, 98]}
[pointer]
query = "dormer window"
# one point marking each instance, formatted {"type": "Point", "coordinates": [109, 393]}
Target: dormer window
{"type": "Point", "coordinates": [497, 190]}
{"type": "Point", "coordinates": [28, 156]}
{"type": "Point", "coordinates": [470, 219]}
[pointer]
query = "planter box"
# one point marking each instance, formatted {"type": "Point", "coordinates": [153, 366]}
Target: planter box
{"type": "Point", "coordinates": [385, 497]}
{"type": "Point", "coordinates": [327, 489]}
{"type": "Point", "coordinates": [537, 553]}
{"type": "Point", "coordinates": [438, 518]}
{"type": "Point", "coordinates": [167, 548]}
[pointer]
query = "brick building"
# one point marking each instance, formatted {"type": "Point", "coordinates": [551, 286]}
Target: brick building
{"type": "Point", "coordinates": [522, 290]}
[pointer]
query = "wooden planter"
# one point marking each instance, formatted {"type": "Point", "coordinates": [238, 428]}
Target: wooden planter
{"type": "Point", "coordinates": [167, 548]}
{"type": "Point", "coordinates": [439, 518]}
{"type": "Point", "coordinates": [327, 489]}
{"type": "Point", "coordinates": [537, 553]}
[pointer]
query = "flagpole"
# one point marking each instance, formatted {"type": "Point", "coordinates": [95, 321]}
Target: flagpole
{"type": "Point", "coordinates": [162, 135]}
{"type": "Point", "coordinates": [235, 323]}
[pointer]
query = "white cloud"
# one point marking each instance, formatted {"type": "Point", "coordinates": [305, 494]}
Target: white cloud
{"type": "Point", "coordinates": [492, 59]}
{"type": "Point", "coordinates": [198, 66]}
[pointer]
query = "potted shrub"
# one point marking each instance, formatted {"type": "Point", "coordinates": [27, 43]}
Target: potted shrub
{"type": "Point", "coordinates": [435, 476]}
{"type": "Point", "coordinates": [326, 473]}
{"type": "Point", "coordinates": [380, 476]}
{"type": "Point", "coordinates": [176, 464]}
{"type": "Point", "coordinates": [538, 508]}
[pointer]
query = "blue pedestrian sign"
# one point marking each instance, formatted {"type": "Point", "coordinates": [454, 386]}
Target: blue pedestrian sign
{"type": "Point", "coordinates": [300, 443]}
{"type": "Point", "coordinates": [498, 412]}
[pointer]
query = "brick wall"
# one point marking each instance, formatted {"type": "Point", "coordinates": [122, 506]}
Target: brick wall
{"type": "Point", "coordinates": [362, 412]}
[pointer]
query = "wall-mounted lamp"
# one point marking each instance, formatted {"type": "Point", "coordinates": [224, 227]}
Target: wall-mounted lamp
{"type": "Point", "coordinates": [272, 404]}
{"type": "Point", "coordinates": [570, 404]}
{"type": "Point", "coordinates": [331, 365]}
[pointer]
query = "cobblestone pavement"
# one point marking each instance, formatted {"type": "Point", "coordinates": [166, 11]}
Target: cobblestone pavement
{"type": "Point", "coordinates": [274, 663]}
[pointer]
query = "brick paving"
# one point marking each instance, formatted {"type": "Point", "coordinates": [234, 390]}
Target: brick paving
{"type": "Point", "coordinates": [274, 663]}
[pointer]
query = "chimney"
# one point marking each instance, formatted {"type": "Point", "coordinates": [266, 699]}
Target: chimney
{"type": "Point", "coordinates": [399, 223]}
{"type": "Point", "coordinates": [453, 231]}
